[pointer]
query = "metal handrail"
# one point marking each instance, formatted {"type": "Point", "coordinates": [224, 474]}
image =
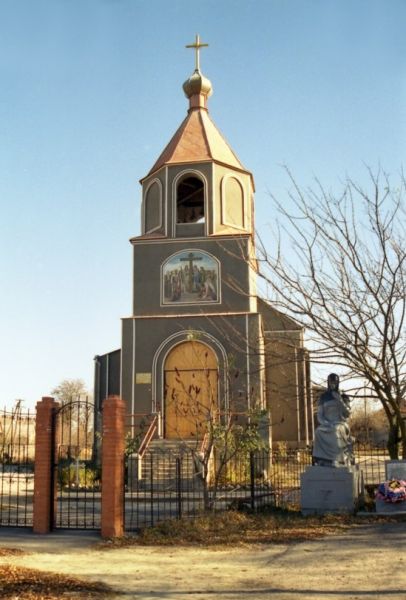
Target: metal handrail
{"type": "Point", "coordinates": [148, 437]}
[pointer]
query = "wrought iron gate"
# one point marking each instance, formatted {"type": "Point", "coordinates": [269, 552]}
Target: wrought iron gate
{"type": "Point", "coordinates": [77, 469]}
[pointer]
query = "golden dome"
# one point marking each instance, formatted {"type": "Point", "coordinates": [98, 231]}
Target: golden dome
{"type": "Point", "coordinates": [197, 84]}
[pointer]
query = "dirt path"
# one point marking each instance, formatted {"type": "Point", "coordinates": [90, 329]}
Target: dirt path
{"type": "Point", "coordinates": [367, 563]}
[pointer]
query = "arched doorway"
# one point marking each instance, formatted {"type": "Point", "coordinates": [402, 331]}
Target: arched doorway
{"type": "Point", "coordinates": [191, 390]}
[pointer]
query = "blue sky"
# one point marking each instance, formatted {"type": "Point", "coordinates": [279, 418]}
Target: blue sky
{"type": "Point", "coordinates": [90, 93]}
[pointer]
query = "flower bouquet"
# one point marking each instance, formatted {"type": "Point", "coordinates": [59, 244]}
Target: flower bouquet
{"type": "Point", "coordinates": [392, 491]}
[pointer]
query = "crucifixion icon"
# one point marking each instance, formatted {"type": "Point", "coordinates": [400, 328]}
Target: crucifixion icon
{"type": "Point", "coordinates": [191, 258]}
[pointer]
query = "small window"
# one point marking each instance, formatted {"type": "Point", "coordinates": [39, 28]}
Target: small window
{"type": "Point", "coordinates": [190, 201]}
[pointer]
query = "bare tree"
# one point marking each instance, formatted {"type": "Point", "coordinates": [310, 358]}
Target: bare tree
{"type": "Point", "coordinates": [69, 390]}
{"type": "Point", "coordinates": [368, 425]}
{"type": "Point", "coordinates": [75, 429]}
{"type": "Point", "coordinates": [338, 266]}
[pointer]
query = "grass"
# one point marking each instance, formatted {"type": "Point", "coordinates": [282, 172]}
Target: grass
{"type": "Point", "coordinates": [19, 583]}
{"type": "Point", "coordinates": [234, 528]}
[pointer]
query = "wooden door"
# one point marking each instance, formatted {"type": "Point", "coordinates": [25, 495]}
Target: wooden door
{"type": "Point", "coordinates": [191, 390]}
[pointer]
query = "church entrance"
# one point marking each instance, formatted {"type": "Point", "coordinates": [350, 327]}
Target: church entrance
{"type": "Point", "coordinates": [191, 390]}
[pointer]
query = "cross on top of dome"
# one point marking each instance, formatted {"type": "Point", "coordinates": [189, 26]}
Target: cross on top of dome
{"type": "Point", "coordinates": [197, 88]}
{"type": "Point", "coordinates": [197, 45]}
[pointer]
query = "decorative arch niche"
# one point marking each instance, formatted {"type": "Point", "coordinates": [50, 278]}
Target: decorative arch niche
{"type": "Point", "coordinates": [153, 207]}
{"type": "Point", "coordinates": [232, 203]}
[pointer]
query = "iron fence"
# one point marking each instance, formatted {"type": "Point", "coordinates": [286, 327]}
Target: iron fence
{"type": "Point", "coordinates": [167, 484]}
{"type": "Point", "coordinates": [371, 459]}
{"type": "Point", "coordinates": [170, 484]}
{"type": "Point", "coordinates": [77, 470]}
{"type": "Point", "coordinates": [164, 483]}
{"type": "Point", "coordinates": [17, 454]}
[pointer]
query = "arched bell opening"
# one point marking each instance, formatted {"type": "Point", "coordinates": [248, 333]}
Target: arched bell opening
{"type": "Point", "coordinates": [190, 205]}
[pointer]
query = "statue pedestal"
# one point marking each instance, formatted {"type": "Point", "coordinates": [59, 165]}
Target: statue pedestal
{"type": "Point", "coordinates": [331, 490]}
{"type": "Point", "coordinates": [387, 508]}
{"type": "Point", "coordinates": [394, 469]}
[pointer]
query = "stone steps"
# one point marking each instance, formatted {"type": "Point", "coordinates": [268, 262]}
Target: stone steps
{"type": "Point", "coordinates": [163, 455]}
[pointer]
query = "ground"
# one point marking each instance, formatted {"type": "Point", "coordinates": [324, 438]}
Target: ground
{"type": "Point", "coordinates": [364, 562]}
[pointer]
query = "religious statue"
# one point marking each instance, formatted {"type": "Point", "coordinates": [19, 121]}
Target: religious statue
{"type": "Point", "coordinates": [332, 441]}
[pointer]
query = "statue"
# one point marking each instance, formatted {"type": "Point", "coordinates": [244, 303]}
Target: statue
{"type": "Point", "coordinates": [332, 440]}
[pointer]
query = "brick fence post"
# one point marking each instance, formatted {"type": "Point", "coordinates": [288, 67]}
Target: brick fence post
{"type": "Point", "coordinates": [112, 496]}
{"type": "Point", "coordinates": [44, 495]}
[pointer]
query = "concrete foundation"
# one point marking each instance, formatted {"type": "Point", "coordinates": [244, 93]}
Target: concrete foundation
{"type": "Point", "coordinates": [331, 490]}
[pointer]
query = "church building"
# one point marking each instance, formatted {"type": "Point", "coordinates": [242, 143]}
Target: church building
{"type": "Point", "coordinates": [199, 343]}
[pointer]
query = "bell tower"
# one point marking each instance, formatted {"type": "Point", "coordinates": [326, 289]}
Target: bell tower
{"type": "Point", "coordinates": [197, 196]}
{"type": "Point", "coordinates": [199, 342]}
{"type": "Point", "coordinates": [197, 187]}
{"type": "Point", "coordinates": [194, 315]}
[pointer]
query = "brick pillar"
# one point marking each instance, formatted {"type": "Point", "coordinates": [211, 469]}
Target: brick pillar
{"type": "Point", "coordinates": [44, 463]}
{"type": "Point", "coordinates": [112, 496]}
